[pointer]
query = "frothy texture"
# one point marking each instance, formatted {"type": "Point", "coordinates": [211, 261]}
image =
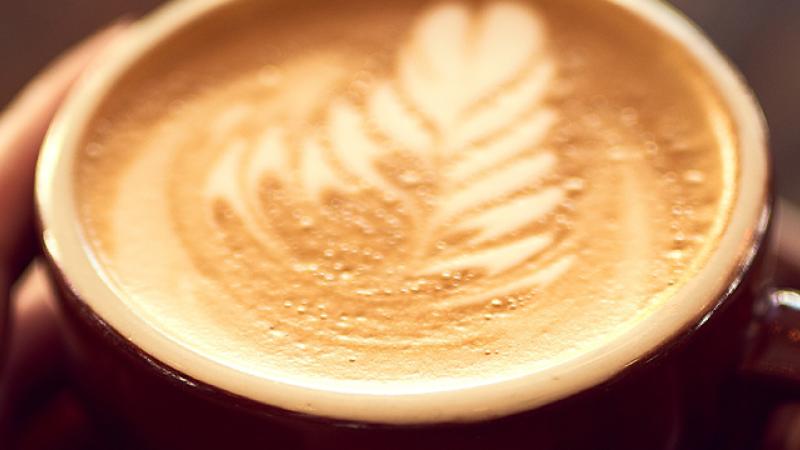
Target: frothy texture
{"type": "Point", "coordinates": [408, 193]}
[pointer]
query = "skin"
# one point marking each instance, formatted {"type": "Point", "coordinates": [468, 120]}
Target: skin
{"type": "Point", "coordinates": [37, 408]}
{"type": "Point", "coordinates": [33, 394]}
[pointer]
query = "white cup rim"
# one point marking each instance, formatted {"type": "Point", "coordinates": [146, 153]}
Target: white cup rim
{"type": "Point", "coordinates": [693, 304]}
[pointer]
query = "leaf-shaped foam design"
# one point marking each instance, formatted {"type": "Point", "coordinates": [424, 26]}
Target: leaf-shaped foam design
{"type": "Point", "coordinates": [480, 80]}
{"type": "Point", "coordinates": [228, 168]}
{"type": "Point", "coordinates": [218, 184]}
{"type": "Point", "coordinates": [455, 60]}
{"type": "Point", "coordinates": [489, 154]}
{"type": "Point", "coordinates": [269, 157]}
{"type": "Point", "coordinates": [502, 110]}
{"type": "Point", "coordinates": [315, 173]}
{"type": "Point", "coordinates": [396, 121]}
{"type": "Point", "coordinates": [496, 259]}
{"type": "Point", "coordinates": [466, 102]}
{"type": "Point", "coordinates": [353, 146]}
{"type": "Point", "coordinates": [498, 184]}
{"type": "Point", "coordinates": [514, 214]}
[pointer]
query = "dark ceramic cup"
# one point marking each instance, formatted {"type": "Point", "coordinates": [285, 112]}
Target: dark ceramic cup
{"type": "Point", "coordinates": [676, 380]}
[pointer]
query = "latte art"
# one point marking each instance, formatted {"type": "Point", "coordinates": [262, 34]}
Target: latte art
{"type": "Point", "coordinates": [416, 198]}
{"type": "Point", "coordinates": [416, 193]}
{"type": "Point", "coordinates": [430, 180]}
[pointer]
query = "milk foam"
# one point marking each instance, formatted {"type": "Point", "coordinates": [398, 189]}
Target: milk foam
{"type": "Point", "coordinates": [474, 195]}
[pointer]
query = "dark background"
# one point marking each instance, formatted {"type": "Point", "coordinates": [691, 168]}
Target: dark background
{"type": "Point", "coordinates": [762, 37]}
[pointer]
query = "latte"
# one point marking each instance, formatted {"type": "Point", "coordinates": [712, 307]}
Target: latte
{"type": "Point", "coordinates": [406, 192]}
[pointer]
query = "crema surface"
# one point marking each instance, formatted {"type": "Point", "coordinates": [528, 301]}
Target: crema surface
{"type": "Point", "coordinates": [413, 193]}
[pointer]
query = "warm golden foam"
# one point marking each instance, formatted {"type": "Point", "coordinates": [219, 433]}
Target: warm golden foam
{"type": "Point", "coordinates": [407, 191]}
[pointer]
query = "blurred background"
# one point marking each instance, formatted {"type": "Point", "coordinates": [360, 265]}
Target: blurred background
{"type": "Point", "coordinates": [762, 37]}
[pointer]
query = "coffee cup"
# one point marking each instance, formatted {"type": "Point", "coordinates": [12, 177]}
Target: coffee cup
{"type": "Point", "coordinates": [412, 224]}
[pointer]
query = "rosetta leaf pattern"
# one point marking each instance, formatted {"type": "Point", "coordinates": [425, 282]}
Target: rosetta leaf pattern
{"type": "Point", "coordinates": [466, 106]}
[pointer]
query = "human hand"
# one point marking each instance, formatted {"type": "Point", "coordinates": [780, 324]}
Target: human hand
{"type": "Point", "coordinates": [37, 409]}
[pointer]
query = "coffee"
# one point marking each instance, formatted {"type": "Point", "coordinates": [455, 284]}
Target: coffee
{"type": "Point", "coordinates": [406, 194]}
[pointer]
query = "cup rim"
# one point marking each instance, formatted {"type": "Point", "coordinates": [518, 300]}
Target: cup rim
{"type": "Point", "coordinates": [692, 305]}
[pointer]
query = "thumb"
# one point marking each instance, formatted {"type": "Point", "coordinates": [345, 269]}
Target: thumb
{"type": "Point", "coordinates": [22, 128]}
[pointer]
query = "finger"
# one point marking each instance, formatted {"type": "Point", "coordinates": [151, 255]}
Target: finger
{"type": "Point", "coordinates": [42, 412]}
{"type": "Point", "coordinates": [35, 370]}
{"type": "Point", "coordinates": [22, 128]}
{"type": "Point", "coordinates": [35, 348]}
